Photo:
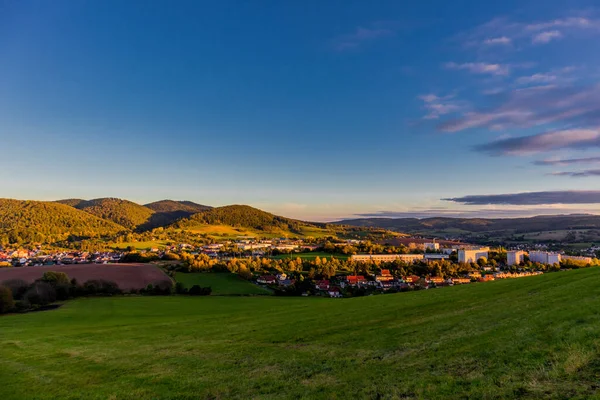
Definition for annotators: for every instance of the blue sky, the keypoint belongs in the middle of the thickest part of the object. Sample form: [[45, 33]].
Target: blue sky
[[314, 109]]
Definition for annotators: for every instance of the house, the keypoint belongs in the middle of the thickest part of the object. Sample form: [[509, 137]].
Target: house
[[354, 280], [287, 282], [486, 278], [322, 285], [436, 279], [281, 277], [460, 280], [267, 279], [412, 279], [334, 292], [385, 276]]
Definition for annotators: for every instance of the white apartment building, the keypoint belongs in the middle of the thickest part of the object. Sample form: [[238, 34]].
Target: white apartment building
[[470, 255], [515, 257], [544, 257], [432, 246]]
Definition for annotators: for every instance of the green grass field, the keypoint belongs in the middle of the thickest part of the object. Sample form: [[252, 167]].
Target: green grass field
[[221, 283], [531, 338], [311, 255]]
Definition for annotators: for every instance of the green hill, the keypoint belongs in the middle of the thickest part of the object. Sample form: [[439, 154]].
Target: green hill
[[123, 212], [170, 206], [48, 222], [528, 338], [167, 212], [246, 219], [71, 202]]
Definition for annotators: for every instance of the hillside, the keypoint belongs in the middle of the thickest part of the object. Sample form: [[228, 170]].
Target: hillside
[[246, 218], [123, 212], [48, 222], [527, 338], [499, 228], [170, 206]]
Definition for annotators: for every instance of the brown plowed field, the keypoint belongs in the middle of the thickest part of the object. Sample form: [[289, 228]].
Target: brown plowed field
[[127, 276]]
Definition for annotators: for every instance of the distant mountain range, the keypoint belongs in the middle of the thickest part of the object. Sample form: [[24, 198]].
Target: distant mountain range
[[542, 228], [74, 219]]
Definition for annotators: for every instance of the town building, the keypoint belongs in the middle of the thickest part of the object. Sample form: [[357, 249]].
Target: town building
[[432, 246], [471, 255], [387, 257], [544, 257], [515, 257]]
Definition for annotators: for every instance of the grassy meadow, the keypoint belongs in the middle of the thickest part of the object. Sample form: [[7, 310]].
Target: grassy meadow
[[223, 284], [532, 338]]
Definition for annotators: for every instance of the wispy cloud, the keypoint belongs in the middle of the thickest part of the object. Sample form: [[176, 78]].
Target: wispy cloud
[[532, 107], [546, 37], [537, 78], [532, 198], [506, 31], [480, 68], [578, 174], [543, 142], [568, 161], [438, 106], [502, 40], [361, 36], [569, 22]]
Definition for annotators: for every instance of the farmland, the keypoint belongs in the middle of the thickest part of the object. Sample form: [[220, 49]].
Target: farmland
[[220, 283], [126, 276], [529, 338]]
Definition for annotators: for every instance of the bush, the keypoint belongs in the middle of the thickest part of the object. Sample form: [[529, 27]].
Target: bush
[[18, 287], [40, 294], [55, 278], [7, 302], [199, 291], [180, 288], [63, 292], [162, 288], [100, 287]]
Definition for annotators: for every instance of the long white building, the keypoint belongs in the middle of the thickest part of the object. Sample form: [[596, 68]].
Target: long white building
[[544, 257], [387, 257], [515, 257]]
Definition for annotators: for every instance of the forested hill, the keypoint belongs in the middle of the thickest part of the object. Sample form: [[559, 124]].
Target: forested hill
[[479, 225], [244, 216], [49, 222], [170, 206], [122, 212]]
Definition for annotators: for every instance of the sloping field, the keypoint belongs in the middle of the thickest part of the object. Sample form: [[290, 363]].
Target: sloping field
[[127, 276], [529, 338]]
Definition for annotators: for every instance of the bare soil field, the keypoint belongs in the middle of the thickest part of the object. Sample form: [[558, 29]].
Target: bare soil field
[[127, 276]]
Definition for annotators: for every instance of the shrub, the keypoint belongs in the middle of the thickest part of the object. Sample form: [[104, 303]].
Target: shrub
[[55, 278], [40, 293], [63, 292], [162, 288], [245, 273], [100, 287], [7, 302], [180, 288], [18, 287]]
